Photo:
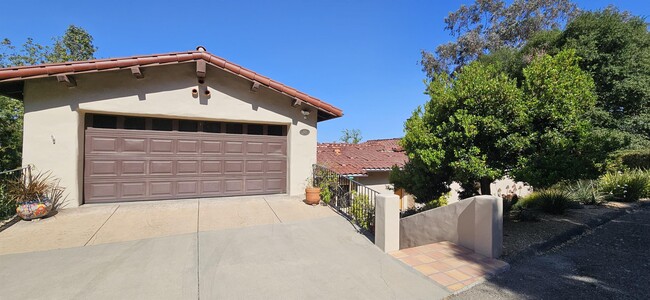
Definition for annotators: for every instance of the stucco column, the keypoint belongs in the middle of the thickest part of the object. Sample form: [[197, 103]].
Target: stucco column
[[488, 226], [387, 222]]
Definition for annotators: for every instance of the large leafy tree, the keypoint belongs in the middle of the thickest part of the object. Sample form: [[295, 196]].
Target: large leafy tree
[[479, 125], [470, 131], [559, 96], [75, 44], [615, 50], [489, 25]]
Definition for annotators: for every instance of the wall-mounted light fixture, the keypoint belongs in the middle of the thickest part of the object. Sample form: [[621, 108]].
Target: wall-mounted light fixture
[[305, 113]]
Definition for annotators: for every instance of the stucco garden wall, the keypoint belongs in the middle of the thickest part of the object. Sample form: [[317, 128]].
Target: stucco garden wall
[[54, 115]]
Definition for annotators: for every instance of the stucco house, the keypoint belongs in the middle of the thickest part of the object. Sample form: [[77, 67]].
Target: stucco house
[[368, 163], [166, 126]]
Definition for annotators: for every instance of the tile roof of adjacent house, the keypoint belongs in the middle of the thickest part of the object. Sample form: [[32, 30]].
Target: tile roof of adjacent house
[[11, 78], [358, 159]]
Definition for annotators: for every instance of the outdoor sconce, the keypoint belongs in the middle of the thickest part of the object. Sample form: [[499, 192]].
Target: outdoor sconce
[[207, 92], [305, 113], [195, 93]]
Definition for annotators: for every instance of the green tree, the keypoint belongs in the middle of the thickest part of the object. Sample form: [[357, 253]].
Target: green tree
[[559, 96], [76, 44], [351, 136], [489, 25], [468, 132], [11, 128], [615, 50]]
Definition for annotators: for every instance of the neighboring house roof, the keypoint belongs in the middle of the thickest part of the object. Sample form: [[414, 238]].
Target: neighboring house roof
[[358, 159], [12, 78]]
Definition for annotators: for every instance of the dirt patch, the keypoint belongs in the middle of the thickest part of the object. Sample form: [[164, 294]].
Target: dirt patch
[[521, 238]]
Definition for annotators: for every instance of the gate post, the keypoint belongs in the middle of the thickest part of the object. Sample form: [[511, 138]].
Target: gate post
[[387, 222]]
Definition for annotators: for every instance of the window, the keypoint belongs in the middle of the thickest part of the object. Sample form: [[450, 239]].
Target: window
[[161, 124], [255, 129], [234, 128], [186, 125], [275, 130], [134, 123], [104, 121], [214, 127]]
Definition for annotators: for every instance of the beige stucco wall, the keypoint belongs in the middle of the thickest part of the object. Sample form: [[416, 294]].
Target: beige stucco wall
[[475, 223], [378, 181], [54, 115]]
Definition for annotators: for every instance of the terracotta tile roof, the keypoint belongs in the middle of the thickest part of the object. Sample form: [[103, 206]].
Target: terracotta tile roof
[[358, 159], [21, 73]]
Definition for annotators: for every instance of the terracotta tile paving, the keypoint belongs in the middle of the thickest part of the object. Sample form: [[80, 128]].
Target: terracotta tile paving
[[450, 265]]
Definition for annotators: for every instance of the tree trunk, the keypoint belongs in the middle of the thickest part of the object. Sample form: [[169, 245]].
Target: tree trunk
[[485, 186]]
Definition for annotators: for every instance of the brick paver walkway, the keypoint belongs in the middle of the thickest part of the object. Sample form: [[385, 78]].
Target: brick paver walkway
[[450, 265]]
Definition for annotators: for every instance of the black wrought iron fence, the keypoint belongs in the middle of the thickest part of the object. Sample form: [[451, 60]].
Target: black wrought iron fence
[[353, 199]]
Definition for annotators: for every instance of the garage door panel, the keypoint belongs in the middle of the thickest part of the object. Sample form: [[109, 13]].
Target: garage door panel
[[275, 148], [233, 166], [102, 168], [102, 190], [211, 167], [234, 186], [160, 146], [211, 187], [187, 167], [131, 167], [275, 185], [211, 147], [255, 148], [134, 189], [188, 146], [255, 185], [134, 165], [134, 145], [234, 147], [254, 167], [185, 188], [161, 189], [103, 144]]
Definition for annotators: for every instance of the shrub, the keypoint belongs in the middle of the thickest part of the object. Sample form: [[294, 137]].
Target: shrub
[[629, 160], [7, 205], [583, 191], [553, 201], [627, 186], [362, 210]]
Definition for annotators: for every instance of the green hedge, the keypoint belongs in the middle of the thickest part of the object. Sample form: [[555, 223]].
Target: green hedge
[[630, 159]]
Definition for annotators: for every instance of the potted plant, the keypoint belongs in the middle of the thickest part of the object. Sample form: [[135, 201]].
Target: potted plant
[[35, 195], [312, 193]]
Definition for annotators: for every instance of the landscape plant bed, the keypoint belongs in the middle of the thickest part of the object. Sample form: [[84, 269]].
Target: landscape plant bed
[[524, 238]]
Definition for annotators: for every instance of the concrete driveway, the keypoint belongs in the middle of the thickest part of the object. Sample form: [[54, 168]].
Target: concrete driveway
[[252, 248]]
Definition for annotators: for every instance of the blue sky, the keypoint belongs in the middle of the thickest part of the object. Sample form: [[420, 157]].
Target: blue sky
[[361, 56]]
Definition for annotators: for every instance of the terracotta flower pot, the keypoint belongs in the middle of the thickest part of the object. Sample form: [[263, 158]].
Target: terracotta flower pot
[[34, 209], [312, 195]]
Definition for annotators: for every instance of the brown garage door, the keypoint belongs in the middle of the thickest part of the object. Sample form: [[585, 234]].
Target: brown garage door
[[133, 164]]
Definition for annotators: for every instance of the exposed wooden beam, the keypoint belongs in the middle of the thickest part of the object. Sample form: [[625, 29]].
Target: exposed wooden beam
[[296, 102], [255, 87], [137, 72], [67, 80], [200, 69]]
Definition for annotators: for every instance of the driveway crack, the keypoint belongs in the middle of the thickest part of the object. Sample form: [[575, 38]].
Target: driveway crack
[[276, 215], [100, 227]]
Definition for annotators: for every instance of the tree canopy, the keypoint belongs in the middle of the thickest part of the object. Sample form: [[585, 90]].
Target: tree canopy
[[75, 44], [351, 136], [479, 125], [489, 25]]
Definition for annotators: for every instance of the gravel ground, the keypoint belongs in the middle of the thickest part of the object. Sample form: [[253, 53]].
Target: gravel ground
[[611, 261], [521, 239]]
